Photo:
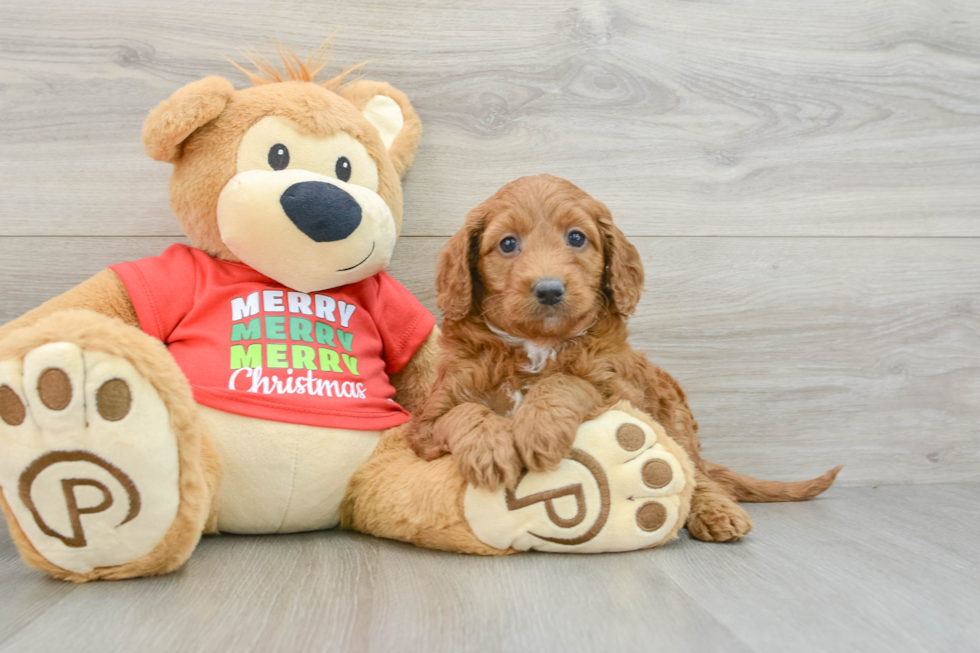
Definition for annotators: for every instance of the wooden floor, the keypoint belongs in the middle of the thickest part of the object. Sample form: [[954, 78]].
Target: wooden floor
[[894, 569], [801, 179]]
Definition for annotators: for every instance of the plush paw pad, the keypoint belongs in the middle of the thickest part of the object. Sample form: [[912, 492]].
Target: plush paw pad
[[88, 462], [619, 489]]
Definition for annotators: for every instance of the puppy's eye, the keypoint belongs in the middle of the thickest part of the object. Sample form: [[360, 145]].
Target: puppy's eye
[[575, 239], [343, 169], [278, 157], [508, 245]]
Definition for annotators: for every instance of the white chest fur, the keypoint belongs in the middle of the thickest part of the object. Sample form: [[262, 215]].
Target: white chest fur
[[538, 355]]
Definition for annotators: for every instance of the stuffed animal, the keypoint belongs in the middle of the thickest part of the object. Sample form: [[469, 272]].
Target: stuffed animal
[[260, 380]]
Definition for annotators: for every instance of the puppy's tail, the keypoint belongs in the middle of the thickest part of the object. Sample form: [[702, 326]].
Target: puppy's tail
[[753, 490]]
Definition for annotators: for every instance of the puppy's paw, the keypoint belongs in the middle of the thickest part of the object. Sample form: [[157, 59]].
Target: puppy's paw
[[718, 520], [542, 445], [486, 459]]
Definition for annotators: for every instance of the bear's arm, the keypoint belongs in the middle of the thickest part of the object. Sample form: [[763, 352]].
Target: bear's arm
[[414, 382], [104, 293]]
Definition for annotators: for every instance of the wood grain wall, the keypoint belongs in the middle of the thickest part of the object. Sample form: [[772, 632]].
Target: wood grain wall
[[801, 178]]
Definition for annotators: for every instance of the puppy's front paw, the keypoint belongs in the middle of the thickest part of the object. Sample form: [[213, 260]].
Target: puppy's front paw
[[486, 459], [542, 444]]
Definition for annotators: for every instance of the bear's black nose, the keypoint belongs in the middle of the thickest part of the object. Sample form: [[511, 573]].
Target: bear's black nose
[[322, 211]]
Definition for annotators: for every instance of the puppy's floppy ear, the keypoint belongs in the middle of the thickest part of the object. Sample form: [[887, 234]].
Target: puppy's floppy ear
[[389, 110], [457, 266], [176, 118], [623, 276]]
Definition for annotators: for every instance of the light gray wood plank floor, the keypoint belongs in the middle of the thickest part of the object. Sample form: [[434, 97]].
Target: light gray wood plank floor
[[861, 569]]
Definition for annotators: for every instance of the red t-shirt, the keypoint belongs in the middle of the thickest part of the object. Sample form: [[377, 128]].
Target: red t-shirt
[[251, 346]]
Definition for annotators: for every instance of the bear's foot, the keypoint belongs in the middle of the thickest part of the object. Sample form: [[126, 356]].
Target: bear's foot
[[91, 466], [624, 486]]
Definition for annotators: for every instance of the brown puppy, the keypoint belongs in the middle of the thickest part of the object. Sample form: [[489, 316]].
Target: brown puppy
[[535, 290]]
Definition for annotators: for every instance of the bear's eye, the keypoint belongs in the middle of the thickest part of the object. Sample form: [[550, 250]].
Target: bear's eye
[[278, 156], [343, 169], [508, 244], [575, 238]]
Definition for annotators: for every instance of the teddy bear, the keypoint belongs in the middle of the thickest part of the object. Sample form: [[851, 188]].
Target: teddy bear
[[261, 379]]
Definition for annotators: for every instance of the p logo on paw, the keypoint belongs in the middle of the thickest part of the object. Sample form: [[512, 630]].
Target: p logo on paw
[[620, 489], [90, 469]]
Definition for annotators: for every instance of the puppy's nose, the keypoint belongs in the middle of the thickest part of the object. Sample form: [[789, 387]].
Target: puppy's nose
[[322, 211], [549, 290]]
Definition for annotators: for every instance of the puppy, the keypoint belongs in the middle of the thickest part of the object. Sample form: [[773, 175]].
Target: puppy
[[535, 290]]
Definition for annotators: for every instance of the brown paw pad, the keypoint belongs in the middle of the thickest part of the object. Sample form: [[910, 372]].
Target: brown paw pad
[[657, 474], [54, 388], [11, 407], [630, 437], [651, 516], [113, 400]]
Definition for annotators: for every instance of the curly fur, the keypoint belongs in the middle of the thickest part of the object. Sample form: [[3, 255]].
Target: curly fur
[[518, 411]]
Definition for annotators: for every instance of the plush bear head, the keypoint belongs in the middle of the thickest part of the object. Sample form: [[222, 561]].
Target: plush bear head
[[299, 180]]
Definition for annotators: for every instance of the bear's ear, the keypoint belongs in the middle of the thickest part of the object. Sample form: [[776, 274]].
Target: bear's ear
[[392, 114], [177, 117]]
